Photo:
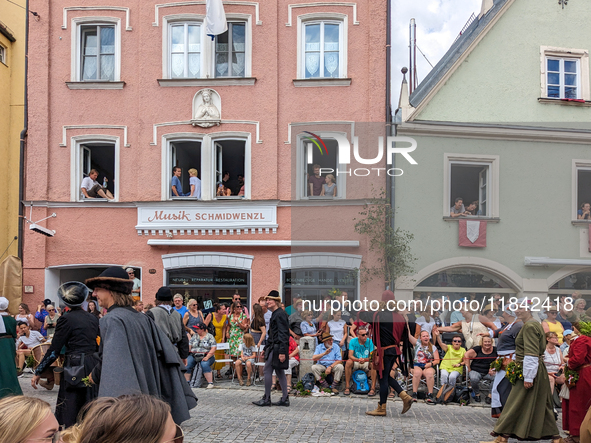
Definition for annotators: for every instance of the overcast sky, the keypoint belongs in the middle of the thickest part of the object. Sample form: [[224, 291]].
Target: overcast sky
[[438, 24]]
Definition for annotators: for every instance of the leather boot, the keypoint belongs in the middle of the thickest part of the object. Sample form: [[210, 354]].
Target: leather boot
[[380, 411], [406, 401]]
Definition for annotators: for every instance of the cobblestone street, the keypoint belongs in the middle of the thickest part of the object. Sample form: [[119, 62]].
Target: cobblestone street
[[225, 414]]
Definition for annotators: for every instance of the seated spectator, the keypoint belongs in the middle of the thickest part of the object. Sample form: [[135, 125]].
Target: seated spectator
[[562, 316], [92, 189], [247, 358], [175, 183], [194, 184], [452, 364], [138, 305], [360, 349], [425, 321], [24, 314], [471, 330], [585, 212], [315, 182], [328, 360], [129, 418], [551, 324], [202, 348], [223, 191], [26, 341], [240, 185], [329, 188], [458, 209], [338, 329], [50, 320], [308, 327], [477, 361], [553, 360], [426, 357], [27, 419], [568, 337], [294, 360]]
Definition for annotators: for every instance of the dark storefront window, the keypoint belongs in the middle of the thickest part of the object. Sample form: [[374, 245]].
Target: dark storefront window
[[315, 284], [209, 285]]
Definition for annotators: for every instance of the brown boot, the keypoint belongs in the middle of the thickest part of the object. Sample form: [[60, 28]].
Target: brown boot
[[380, 411], [406, 401]]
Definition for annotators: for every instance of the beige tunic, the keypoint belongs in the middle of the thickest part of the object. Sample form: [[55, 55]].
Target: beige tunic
[[471, 331]]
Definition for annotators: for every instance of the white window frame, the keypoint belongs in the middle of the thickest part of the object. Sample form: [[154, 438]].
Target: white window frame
[[207, 45], [302, 168], [207, 173], [76, 48], [333, 18], [578, 165], [492, 161], [3, 54], [186, 24], [581, 56], [77, 143]]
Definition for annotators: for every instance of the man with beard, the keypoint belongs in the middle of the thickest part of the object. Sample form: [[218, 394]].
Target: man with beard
[[136, 356]]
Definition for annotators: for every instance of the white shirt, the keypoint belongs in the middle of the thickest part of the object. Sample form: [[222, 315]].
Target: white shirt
[[89, 183], [35, 338], [194, 181], [426, 326], [337, 329]]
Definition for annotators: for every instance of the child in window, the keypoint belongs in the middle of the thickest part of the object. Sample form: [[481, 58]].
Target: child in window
[[194, 184], [246, 358]]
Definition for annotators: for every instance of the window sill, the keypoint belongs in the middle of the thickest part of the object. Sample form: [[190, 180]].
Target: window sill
[[102, 201], [581, 222], [228, 81], [95, 85], [230, 197], [319, 82], [185, 198], [477, 218], [564, 102]]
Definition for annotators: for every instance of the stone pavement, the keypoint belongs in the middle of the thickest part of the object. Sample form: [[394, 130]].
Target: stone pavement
[[225, 414]]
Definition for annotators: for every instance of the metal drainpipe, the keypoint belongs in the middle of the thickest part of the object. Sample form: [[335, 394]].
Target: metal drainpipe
[[21, 180], [388, 131]]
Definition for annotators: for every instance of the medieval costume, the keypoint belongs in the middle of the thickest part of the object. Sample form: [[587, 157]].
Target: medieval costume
[[388, 329], [586, 428], [579, 359], [9, 384], [528, 413], [505, 349], [170, 321], [77, 331], [136, 357], [277, 344]]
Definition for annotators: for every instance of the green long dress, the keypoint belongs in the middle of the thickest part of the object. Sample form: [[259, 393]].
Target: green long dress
[[529, 414], [9, 384]]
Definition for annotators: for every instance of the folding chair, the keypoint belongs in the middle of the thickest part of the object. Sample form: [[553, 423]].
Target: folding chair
[[234, 369], [258, 364], [224, 347]]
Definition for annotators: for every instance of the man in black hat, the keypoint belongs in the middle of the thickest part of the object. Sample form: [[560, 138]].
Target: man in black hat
[[136, 356], [276, 351], [170, 321], [76, 330]]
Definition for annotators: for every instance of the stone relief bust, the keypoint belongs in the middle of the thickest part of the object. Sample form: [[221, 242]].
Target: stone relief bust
[[206, 112]]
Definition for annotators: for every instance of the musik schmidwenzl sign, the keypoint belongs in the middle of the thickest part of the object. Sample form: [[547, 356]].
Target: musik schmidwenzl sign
[[206, 216]]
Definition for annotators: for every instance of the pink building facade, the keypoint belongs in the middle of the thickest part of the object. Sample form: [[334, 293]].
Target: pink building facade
[[132, 90]]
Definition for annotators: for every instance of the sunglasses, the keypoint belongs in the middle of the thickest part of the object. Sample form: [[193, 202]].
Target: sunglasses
[[179, 437], [50, 310], [362, 335], [456, 341]]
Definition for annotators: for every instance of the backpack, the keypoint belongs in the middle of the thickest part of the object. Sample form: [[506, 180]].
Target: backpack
[[462, 396], [308, 381], [360, 386], [446, 394]]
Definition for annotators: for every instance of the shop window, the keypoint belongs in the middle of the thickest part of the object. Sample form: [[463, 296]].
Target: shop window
[[185, 155], [102, 158], [98, 54], [230, 156], [315, 285], [583, 193], [323, 49]]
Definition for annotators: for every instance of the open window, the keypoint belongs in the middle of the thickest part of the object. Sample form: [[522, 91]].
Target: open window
[[583, 176], [187, 156], [323, 155], [229, 176], [470, 182], [230, 51], [99, 157]]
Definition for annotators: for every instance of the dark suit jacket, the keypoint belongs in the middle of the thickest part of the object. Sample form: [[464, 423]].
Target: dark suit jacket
[[278, 339]]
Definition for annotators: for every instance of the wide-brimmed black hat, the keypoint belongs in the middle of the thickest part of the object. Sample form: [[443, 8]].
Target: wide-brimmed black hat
[[273, 295], [112, 279], [47, 302], [164, 294], [73, 293]]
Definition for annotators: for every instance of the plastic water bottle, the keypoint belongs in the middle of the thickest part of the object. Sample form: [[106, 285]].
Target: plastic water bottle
[[104, 182]]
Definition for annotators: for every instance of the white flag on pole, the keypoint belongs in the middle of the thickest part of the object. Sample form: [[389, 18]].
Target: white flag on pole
[[215, 18]]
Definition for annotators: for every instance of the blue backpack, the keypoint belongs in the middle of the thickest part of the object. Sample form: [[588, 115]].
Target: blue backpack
[[360, 385], [308, 381]]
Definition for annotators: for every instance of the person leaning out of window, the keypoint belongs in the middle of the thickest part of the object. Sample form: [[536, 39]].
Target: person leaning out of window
[[585, 212]]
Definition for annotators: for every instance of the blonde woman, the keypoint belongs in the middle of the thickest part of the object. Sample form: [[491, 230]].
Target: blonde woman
[[27, 420], [50, 320], [194, 316], [329, 189], [194, 184], [129, 418]]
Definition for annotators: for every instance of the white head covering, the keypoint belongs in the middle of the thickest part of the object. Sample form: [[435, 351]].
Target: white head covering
[[4, 303]]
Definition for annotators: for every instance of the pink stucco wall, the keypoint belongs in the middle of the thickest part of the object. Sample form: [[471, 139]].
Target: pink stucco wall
[[107, 235]]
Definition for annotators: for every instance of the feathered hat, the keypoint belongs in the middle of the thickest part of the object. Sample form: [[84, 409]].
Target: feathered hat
[[73, 293]]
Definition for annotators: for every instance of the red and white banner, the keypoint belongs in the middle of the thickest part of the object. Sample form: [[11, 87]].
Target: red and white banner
[[472, 233]]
